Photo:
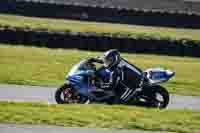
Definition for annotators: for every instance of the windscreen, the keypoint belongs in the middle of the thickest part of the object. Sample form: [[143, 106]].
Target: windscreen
[[78, 67]]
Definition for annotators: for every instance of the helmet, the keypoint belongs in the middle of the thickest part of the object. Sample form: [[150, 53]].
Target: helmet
[[111, 58]]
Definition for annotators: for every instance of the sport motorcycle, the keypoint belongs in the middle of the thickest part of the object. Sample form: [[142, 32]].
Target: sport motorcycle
[[149, 94]]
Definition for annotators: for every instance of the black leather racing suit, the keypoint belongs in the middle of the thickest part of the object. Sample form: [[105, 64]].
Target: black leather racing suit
[[113, 80], [123, 73], [111, 84]]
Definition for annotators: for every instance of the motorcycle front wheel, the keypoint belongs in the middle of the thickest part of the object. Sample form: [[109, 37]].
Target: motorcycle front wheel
[[66, 94]]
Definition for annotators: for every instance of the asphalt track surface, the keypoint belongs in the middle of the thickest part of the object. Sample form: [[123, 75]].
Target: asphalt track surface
[[46, 94], [13, 128]]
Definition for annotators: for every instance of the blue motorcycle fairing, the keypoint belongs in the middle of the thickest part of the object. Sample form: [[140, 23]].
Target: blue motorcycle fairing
[[78, 74], [77, 79], [78, 83]]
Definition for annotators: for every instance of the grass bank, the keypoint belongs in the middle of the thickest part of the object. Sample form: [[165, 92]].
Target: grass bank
[[102, 28], [43, 66], [101, 116]]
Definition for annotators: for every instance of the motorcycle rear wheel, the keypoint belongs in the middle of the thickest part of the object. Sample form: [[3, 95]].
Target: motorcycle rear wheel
[[152, 96], [160, 97]]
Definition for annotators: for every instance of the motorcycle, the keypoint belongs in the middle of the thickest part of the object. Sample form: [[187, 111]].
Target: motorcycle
[[150, 93]]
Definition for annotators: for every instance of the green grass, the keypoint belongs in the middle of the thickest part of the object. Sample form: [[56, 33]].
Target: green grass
[[101, 116], [43, 66], [78, 26]]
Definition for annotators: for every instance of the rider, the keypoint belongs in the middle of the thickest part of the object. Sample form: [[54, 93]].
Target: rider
[[111, 59], [121, 72]]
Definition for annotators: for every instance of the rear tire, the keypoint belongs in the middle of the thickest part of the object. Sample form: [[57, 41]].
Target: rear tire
[[159, 90]]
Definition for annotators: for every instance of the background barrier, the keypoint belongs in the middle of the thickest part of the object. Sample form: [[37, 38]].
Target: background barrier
[[93, 41], [53, 9]]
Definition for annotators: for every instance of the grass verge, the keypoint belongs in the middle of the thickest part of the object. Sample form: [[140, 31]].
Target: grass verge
[[43, 66], [102, 28], [101, 116]]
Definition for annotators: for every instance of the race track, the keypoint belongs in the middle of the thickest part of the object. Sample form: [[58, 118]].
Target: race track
[[12, 128], [46, 94]]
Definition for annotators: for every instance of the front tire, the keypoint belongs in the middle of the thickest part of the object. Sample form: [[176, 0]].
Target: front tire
[[66, 94]]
